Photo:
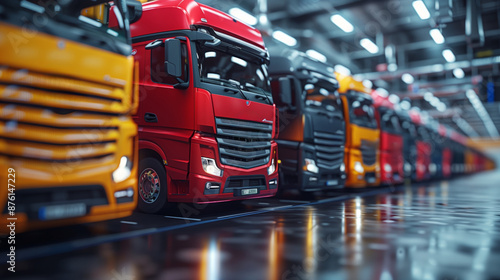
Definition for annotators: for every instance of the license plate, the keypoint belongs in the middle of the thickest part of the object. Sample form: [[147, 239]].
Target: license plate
[[249, 191], [62, 211], [332, 182], [371, 180]]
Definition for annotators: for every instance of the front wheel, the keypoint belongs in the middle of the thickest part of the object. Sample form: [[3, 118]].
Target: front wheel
[[152, 186]]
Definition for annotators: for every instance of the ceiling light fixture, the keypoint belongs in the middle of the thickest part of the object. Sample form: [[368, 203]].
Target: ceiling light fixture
[[436, 36], [316, 55], [284, 38], [243, 16], [368, 45], [421, 9], [448, 55], [342, 23]]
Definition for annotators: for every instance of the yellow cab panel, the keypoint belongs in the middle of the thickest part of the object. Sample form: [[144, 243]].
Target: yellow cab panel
[[362, 133], [67, 139]]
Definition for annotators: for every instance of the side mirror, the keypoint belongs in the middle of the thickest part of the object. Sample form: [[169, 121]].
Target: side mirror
[[134, 10], [173, 61], [285, 91]]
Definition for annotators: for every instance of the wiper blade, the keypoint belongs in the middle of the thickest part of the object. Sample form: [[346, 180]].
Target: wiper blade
[[250, 86], [226, 83]]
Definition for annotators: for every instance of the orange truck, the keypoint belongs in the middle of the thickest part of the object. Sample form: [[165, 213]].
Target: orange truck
[[362, 133], [68, 144]]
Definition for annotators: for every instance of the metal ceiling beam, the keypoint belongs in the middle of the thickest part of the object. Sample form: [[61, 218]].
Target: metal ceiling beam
[[363, 54], [482, 113], [431, 69], [465, 127]]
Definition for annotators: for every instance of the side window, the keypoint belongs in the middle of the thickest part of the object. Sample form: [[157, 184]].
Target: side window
[[158, 73], [275, 88]]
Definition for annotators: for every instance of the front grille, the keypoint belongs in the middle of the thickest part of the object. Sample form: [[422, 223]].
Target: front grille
[[243, 144], [58, 119], [329, 149], [368, 152], [30, 200], [235, 183]]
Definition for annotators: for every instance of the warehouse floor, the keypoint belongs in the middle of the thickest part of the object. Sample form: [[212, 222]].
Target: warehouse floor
[[440, 230]]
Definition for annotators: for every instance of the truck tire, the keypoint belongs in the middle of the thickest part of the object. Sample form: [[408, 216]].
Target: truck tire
[[152, 186]]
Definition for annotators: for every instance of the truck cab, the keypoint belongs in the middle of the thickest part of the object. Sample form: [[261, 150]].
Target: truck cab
[[362, 133], [67, 138], [436, 140], [409, 144], [311, 122], [391, 139], [447, 151], [423, 145], [206, 115]]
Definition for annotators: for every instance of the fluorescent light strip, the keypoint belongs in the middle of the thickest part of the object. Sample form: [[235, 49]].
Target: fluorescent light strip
[[368, 45], [284, 38], [342, 23], [436, 36], [448, 55], [465, 126], [243, 16], [458, 73], [483, 114], [316, 55], [407, 78], [421, 9]]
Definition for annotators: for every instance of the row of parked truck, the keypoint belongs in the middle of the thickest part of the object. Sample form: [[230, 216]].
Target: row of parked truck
[[111, 105]]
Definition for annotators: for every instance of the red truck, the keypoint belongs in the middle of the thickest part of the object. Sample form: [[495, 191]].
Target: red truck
[[447, 152], [391, 139], [206, 115], [424, 147]]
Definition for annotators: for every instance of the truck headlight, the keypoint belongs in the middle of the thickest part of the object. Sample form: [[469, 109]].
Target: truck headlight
[[432, 168], [407, 167], [387, 168], [342, 167], [358, 167], [310, 165], [123, 171], [210, 166], [271, 168]]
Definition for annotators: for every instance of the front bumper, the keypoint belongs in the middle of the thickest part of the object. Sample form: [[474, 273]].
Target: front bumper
[[234, 184], [296, 176], [87, 186], [370, 175]]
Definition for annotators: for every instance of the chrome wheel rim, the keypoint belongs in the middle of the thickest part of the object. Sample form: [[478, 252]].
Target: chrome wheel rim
[[149, 185]]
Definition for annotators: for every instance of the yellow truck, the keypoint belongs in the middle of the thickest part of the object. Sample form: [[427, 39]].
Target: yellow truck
[[362, 134], [68, 145]]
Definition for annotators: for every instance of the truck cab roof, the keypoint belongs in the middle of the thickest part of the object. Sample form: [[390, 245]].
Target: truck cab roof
[[169, 15]]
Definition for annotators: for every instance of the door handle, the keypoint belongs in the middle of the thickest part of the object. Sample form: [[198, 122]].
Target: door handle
[[150, 117]]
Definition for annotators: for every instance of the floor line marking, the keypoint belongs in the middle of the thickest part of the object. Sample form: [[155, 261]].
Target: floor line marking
[[128, 222], [276, 208], [244, 213], [183, 218], [294, 201]]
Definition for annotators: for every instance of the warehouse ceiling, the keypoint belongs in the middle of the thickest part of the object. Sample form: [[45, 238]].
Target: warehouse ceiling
[[470, 28]]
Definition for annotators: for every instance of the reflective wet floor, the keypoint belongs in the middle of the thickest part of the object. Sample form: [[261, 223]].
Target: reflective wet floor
[[440, 230]]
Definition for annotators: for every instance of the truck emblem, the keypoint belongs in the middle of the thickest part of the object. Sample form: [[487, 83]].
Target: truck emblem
[[134, 51], [248, 103]]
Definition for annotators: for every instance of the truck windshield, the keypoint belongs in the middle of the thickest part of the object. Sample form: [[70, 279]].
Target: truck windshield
[[389, 122], [408, 128], [361, 111], [100, 23], [322, 94], [232, 69]]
